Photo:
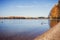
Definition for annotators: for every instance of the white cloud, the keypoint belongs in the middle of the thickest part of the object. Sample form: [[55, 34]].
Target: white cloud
[[25, 6]]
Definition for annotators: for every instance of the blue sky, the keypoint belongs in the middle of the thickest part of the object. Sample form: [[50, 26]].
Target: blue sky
[[34, 8]]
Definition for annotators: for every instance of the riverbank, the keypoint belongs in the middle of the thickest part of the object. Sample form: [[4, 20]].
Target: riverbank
[[52, 34]]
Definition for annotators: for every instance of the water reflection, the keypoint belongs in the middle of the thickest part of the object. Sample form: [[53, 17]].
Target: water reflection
[[54, 22]]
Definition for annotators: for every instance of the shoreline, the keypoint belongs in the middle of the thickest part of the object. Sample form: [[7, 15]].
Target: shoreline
[[52, 34]]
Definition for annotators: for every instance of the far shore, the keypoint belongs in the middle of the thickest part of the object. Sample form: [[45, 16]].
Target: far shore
[[24, 17]]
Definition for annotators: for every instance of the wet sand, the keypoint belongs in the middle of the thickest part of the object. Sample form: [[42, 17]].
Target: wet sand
[[52, 34]]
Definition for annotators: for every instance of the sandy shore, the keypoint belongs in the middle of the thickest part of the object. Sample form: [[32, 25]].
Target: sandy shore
[[52, 34]]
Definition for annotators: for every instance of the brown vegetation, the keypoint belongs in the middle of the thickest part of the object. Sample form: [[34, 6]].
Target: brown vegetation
[[55, 15]]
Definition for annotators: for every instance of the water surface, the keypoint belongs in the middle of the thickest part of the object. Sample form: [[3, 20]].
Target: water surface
[[22, 29]]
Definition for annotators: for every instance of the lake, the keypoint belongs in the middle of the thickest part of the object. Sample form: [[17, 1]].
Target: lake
[[22, 29]]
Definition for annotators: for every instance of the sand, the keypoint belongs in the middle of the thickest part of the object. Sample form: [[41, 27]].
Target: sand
[[52, 34]]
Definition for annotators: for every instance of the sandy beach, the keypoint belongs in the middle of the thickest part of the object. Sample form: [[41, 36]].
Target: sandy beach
[[52, 34]]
